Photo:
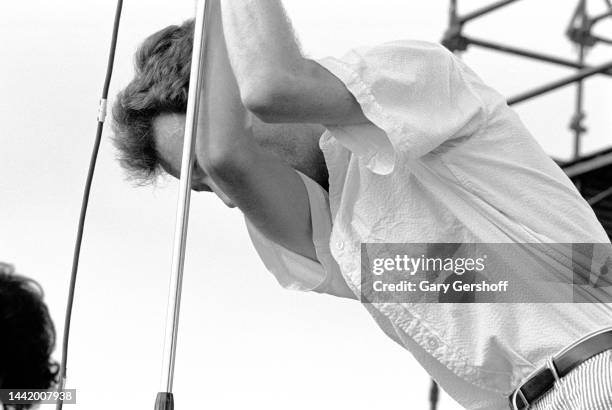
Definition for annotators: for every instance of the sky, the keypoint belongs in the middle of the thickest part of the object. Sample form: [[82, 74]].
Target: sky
[[243, 340]]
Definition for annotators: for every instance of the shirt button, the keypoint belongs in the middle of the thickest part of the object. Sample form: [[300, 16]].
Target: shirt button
[[433, 343], [340, 245]]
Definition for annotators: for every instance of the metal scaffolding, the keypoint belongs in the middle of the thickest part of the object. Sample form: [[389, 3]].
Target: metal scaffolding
[[579, 31]]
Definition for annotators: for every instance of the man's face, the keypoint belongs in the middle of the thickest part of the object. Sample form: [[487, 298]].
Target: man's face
[[295, 144], [168, 130]]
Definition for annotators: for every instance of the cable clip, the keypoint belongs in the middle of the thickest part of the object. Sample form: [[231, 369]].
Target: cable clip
[[102, 110]]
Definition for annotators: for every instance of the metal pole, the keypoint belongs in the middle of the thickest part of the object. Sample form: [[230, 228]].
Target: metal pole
[[601, 39], [581, 75], [600, 17], [165, 399], [453, 40], [485, 10], [452, 13], [600, 197], [576, 123]]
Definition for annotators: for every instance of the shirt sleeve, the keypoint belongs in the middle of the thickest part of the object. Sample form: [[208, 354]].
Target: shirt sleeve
[[294, 271], [416, 94]]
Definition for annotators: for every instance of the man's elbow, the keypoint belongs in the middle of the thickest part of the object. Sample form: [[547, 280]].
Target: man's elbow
[[269, 96], [226, 163]]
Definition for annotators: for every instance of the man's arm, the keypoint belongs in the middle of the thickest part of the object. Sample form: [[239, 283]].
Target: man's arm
[[269, 192], [276, 81]]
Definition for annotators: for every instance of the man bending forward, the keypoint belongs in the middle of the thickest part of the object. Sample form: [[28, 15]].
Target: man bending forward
[[400, 143]]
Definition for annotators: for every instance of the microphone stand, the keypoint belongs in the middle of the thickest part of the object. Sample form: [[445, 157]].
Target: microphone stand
[[165, 398]]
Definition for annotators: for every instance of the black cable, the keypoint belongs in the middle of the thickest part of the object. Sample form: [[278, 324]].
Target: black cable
[[85, 200]]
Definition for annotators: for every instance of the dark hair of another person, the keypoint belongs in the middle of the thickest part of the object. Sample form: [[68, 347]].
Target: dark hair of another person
[[27, 335], [160, 85]]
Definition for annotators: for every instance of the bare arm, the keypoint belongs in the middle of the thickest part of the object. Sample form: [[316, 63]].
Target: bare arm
[[276, 81], [269, 192]]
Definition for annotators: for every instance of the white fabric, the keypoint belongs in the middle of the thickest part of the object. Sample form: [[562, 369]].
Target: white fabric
[[294, 271], [447, 161]]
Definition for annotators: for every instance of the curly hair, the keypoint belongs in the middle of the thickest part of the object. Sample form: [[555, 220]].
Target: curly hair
[[160, 85], [27, 335]]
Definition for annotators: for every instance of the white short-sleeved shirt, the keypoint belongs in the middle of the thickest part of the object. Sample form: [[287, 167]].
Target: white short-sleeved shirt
[[446, 161]]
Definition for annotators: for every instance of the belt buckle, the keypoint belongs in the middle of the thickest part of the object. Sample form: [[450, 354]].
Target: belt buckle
[[549, 364], [519, 393]]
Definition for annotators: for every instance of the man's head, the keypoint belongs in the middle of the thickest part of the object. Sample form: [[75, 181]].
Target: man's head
[[27, 335], [160, 86], [149, 117]]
